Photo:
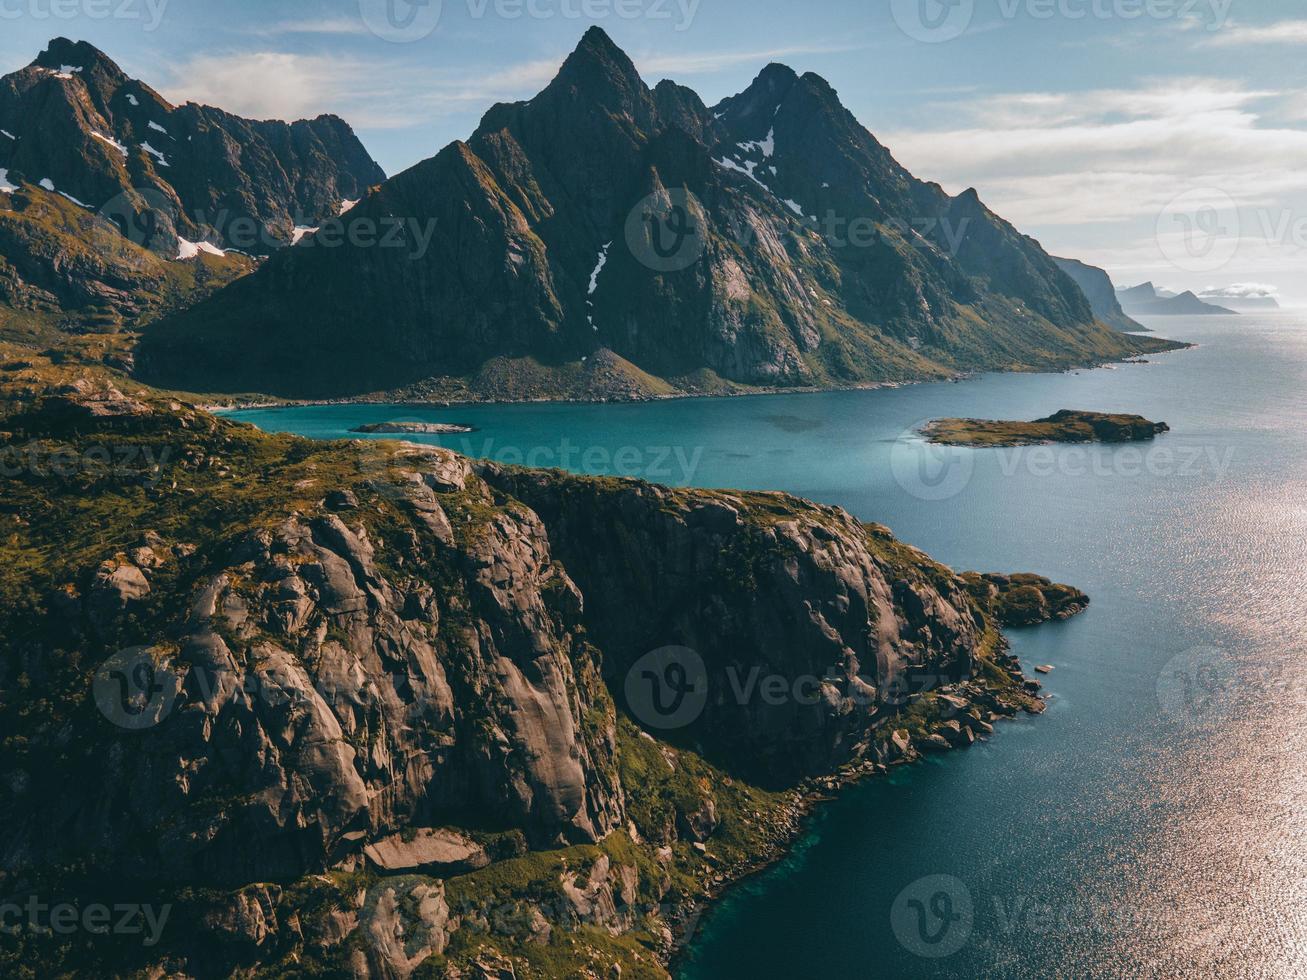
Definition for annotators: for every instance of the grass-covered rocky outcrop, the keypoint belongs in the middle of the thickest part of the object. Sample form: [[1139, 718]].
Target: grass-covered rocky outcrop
[[359, 708], [1068, 425]]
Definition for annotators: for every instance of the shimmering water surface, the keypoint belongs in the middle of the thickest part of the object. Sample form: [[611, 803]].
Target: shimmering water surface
[[1153, 823]]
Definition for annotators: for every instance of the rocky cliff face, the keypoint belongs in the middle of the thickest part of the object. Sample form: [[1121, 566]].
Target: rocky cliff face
[[73, 124], [768, 241], [1098, 289], [369, 706]]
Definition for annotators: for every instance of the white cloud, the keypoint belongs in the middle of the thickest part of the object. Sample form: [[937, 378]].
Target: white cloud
[[329, 26], [1243, 290], [1094, 174], [365, 92], [658, 66], [1045, 158], [1283, 32]]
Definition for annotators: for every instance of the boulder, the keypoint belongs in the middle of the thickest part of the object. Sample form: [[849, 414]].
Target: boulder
[[435, 851]]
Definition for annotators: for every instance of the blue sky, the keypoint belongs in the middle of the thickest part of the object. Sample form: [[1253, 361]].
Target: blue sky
[[1161, 139]]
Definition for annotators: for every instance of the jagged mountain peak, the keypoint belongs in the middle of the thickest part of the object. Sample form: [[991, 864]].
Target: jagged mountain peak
[[756, 107], [549, 254], [83, 56], [80, 137], [598, 63]]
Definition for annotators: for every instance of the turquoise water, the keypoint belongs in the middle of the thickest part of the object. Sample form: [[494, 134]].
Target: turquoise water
[[1153, 823]]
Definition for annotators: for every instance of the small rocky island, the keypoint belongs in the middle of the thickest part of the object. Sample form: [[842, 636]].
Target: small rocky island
[[1065, 426], [415, 428]]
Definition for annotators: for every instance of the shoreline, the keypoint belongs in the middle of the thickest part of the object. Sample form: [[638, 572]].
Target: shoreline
[[806, 799], [379, 398]]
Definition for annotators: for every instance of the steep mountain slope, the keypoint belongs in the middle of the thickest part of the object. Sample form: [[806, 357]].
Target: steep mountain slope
[[346, 709], [72, 124], [65, 267], [603, 236], [1098, 289]]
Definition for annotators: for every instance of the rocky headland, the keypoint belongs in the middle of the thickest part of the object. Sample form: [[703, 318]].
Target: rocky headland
[[366, 708]]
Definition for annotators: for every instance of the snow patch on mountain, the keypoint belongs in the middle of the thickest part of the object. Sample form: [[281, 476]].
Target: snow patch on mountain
[[767, 145], [163, 161], [121, 148], [189, 250], [746, 169], [594, 282]]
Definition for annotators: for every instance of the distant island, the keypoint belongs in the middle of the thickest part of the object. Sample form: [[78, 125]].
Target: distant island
[[1242, 299], [1146, 300], [1065, 426], [415, 428]]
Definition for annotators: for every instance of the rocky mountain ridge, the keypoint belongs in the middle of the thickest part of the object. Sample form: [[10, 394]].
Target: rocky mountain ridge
[[180, 182], [1146, 300], [609, 239]]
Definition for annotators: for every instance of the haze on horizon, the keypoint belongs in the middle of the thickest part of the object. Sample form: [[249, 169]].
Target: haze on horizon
[[1163, 142]]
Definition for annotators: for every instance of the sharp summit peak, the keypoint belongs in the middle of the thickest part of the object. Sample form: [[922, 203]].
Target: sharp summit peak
[[80, 54]]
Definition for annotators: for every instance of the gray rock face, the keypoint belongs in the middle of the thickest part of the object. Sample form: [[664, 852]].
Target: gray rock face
[[1098, 289], [434, 649], [434, 851], [759, 585]]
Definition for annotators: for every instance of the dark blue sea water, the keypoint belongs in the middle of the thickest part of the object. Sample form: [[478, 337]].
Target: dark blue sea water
[[1153, 823]]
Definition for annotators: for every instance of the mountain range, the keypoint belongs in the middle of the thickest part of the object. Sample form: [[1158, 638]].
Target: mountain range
[[1146, 300], [109, 186], [606, 239]]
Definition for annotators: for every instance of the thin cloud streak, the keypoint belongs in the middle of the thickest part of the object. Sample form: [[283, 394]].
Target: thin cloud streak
[[708, 62], [1283, 32], [366, 93], [335, 27]]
